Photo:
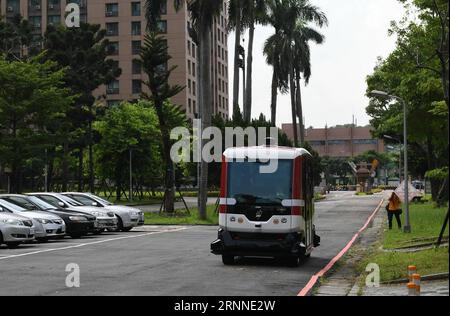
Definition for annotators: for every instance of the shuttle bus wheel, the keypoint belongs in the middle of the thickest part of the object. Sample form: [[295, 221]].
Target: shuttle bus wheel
[[228, 260]]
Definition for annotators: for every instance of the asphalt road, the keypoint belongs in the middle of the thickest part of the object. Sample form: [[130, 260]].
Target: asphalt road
[[174, 260]]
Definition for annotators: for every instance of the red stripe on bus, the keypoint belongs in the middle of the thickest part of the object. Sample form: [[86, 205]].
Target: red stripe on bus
[[296, 186], [223, 184]]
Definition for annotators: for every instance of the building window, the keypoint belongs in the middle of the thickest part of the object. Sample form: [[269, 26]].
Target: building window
[[112, 9], [164, 8], [135, 28], [112, 29], [194, 69], [135, 8], [193, 50], [137, 86], [162, 26], [34, 5], [189, 106], [35, 22], [113, 103], [189, 86], [54, 19], [13, 7], [113, 87], [365, 142], [337, 142], [136, 67], [54, 5], [194, 88], [113, 48], [136, 47]]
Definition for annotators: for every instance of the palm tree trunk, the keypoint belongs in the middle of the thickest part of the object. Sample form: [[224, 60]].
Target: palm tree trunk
[[300, 111], [236, 108], [205, 101], [248, 92], [293, 106], [273, 106]]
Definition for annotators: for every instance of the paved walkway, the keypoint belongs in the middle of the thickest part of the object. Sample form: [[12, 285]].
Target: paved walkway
[[432, 288]]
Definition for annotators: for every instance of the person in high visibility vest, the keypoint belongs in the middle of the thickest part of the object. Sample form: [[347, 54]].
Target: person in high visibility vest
[[394, 209]]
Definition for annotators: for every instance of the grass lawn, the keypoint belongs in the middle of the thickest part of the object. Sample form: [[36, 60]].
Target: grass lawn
[[393, 266], [181, 219], [426, 222]]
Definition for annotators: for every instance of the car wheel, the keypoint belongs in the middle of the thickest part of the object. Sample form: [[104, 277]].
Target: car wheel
[[1, 239], [13, 245], [125, 230], [42, 240], [228, 260], [119, 224]]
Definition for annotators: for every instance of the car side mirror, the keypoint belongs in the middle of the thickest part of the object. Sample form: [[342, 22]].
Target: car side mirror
[[61, 204], [95, 204], [1, 209]]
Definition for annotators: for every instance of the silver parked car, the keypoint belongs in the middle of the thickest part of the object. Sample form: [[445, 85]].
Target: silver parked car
[[105, 219], [128, 217], [14, 229], [46, 225]]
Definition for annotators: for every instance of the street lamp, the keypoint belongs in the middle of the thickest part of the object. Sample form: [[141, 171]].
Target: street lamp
[[385, 95], [400, 156]]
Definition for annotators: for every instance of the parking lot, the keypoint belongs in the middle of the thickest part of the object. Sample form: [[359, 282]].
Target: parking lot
[[164, 260]]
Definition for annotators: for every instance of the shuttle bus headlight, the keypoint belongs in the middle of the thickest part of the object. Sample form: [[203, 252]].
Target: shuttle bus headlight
[[284, 220], [233, 219], [276, 221], [241, 220]]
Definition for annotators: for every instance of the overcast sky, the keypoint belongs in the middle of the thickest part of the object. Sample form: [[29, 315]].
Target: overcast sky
[[357, 34]]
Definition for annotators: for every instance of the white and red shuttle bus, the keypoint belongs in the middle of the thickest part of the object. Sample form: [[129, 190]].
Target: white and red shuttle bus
[[266, 214]]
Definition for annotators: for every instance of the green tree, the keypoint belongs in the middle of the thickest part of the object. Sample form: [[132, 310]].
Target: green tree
[[84, 51], [33, 101], [202, 14], [16, 35], [420, 86], [127, 127], [154, 60]]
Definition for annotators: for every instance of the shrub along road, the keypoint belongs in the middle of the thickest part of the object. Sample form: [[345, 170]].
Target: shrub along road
[[175, 261]]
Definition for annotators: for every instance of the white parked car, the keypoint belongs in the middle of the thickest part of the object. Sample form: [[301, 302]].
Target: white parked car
[[128, 217], [46, 225], [14, 229], [105, 219]]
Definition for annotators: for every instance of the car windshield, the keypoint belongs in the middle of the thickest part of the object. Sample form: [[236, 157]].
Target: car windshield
[[11, 207], [84, 199], [69, 200], [99, 199], [41, 204], [248, 185], [22, 202]]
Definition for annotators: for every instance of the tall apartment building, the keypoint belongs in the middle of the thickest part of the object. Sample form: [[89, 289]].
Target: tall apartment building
[[125, 24]]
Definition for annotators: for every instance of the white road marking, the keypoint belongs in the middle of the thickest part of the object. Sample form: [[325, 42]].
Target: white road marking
[[93, 243]]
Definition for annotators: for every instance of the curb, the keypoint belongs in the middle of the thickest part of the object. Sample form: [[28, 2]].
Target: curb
[[316, 277]]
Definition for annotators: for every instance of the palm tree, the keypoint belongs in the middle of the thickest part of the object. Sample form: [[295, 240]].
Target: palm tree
[[202, 13], [235, 23], [285, 48], [302, 66]]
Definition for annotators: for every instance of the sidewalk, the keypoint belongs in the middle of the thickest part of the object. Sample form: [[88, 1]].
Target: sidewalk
[[432, 288]]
